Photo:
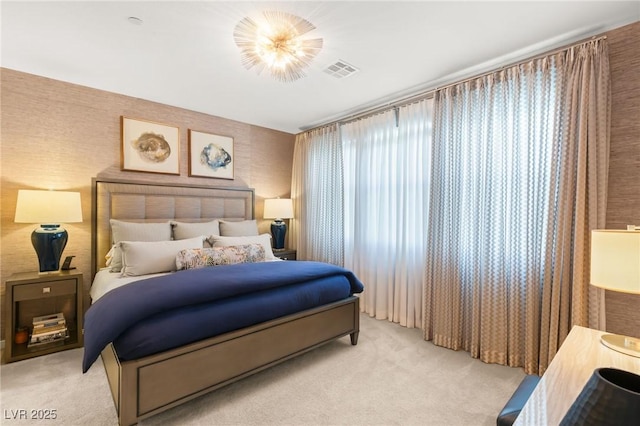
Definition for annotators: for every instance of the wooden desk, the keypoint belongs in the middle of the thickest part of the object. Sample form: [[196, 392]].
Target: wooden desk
[[580, 354]]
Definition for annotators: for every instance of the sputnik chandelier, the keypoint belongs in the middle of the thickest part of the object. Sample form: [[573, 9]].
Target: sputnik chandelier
[[277, 45]]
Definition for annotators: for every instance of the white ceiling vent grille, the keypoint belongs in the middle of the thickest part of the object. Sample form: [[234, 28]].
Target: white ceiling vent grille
[[341, 69]]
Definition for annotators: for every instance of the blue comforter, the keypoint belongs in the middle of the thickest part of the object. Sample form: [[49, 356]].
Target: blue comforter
[[110, 318]]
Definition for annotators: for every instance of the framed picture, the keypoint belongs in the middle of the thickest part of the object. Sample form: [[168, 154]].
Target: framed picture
[[150, 147], [210, 155]]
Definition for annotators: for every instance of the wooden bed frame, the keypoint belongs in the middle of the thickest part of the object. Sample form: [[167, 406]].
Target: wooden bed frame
[[144, 387]]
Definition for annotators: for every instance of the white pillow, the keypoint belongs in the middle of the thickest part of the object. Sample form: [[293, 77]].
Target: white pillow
[[134, 231], [151, 257], [264, 239], [243, 228], [184, 230]]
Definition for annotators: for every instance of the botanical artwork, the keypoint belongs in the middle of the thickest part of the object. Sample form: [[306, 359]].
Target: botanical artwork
[[210, 155], [150, 147]]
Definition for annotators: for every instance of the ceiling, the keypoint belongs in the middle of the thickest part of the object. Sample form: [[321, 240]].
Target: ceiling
[[183, 54]]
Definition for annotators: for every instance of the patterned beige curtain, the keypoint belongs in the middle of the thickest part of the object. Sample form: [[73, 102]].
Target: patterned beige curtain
[[518, 180], [317, 191]]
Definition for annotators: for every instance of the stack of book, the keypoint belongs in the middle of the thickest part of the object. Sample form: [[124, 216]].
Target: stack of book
[[48, 329]]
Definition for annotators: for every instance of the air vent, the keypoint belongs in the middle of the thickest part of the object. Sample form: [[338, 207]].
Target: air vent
[[341, 69]]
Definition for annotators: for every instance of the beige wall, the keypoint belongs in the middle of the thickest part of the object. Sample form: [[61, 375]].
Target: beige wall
[[57, 135], [623, 203]]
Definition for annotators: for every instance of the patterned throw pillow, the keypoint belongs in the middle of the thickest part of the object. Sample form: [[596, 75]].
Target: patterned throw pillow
[[204, 257]]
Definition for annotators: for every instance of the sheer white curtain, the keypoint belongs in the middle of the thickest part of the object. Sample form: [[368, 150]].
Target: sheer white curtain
[[317, 228], [386, 187], [518, 180]]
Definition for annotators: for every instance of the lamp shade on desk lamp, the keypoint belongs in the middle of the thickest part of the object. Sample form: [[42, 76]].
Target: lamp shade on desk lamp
[[615, 266], [278, 209], [49, 209]]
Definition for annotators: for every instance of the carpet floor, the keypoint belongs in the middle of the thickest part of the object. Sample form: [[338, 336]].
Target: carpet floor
[[392, 377]]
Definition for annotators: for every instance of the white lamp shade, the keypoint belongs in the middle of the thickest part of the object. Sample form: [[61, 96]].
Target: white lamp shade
[[615, 260], [48, 207], [278, 208]]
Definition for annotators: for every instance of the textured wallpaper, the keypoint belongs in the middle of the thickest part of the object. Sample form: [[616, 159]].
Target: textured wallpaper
[[57, 135]]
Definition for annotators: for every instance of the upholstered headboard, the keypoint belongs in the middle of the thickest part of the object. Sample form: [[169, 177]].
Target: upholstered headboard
[[144, 202]]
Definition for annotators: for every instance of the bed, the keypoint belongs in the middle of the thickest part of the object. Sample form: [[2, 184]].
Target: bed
[[147, 384]]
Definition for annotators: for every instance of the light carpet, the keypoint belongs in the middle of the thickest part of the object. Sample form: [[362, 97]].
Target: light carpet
[[392, 377]]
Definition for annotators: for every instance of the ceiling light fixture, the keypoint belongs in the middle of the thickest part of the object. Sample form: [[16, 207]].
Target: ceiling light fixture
[[277, 45]]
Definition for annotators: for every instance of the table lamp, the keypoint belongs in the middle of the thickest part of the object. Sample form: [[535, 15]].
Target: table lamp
[[50, 209], [278, 209], [615, 266]]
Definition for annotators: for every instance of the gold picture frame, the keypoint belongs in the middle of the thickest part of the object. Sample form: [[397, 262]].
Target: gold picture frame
[[150, 147], [211, 155]]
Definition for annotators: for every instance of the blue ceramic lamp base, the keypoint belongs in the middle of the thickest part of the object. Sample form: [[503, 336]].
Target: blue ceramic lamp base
[[49, 242], [278, 232]]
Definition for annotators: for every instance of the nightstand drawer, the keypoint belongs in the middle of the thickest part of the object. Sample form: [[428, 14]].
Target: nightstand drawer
[[40, 290]]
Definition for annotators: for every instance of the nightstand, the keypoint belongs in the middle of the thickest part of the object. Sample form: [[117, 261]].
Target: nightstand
[[286, 254], [31, 294]]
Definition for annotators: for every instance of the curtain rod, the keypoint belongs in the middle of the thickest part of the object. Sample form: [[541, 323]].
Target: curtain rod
[[428, 93]]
